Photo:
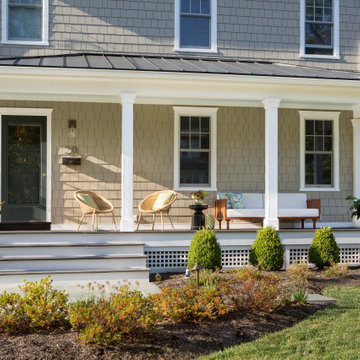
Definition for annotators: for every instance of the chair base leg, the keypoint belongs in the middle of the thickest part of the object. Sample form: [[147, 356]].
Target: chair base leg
[[170, 221], [80, 222], [138, 223], [153, 224], [113, 217], [162, 221]]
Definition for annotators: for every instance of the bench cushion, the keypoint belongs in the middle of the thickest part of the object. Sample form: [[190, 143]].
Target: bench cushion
[[253, 201], [225, 196], [246, 213], [292, 201], [298, 213]]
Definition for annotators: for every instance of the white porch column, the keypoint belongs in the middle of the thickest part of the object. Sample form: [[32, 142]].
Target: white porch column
[[356, 157], [127, 161], [271, 106]]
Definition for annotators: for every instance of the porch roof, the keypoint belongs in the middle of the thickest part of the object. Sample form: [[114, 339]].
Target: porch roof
[[177, 64]]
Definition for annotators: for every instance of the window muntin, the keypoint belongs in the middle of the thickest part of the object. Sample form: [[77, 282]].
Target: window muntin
[[25, 20], [195, 157], [319, 27], [318, 153], [195, 24]]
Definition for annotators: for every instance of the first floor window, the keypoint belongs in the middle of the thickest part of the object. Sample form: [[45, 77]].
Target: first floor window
[[320, 27], [319, 155], [195, 147], [25, 21]]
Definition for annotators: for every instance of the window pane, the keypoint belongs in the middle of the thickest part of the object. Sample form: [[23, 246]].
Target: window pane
[[309, 2], [26, 2], [205, 7], [195, 32], [184, 123], [318, 169], [194, 168], [195, 142], [309, 143], [318, 51], [205, 141], [328, 3], [309, 127], [319, 14], [328, 14], [319, 3], [195, 124], [328, 143], [25, 23], [195, 6], [319, 127], [319, 145], [327, 127], [310, 13], [185, 6], [318, 34], [205, 124], [185, 142]]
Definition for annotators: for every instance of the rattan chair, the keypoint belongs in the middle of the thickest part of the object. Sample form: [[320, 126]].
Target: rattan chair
[[146, 207], [104, 207]]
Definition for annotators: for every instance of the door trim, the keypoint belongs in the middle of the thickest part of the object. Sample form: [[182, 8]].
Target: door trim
[[35, 112]]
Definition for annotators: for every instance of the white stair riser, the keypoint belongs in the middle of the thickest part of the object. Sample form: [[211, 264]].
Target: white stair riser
[[72, 264], [71, 251], [74, 278]]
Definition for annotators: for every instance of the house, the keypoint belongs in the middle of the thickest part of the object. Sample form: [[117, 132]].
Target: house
[[253, 96]]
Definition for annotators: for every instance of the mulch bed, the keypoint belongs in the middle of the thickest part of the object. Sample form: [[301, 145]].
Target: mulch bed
[[180, 341]]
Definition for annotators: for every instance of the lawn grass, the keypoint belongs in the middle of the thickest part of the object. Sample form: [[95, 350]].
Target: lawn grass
[[333, 333]]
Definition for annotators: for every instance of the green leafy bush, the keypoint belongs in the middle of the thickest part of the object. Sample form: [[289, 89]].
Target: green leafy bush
[[125, 314], [189, 303], [39, 307], [267, 252], [336, 271], [300, 275], [324, 250], [205, 250]]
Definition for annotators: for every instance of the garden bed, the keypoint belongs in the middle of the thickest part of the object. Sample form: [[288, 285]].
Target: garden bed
[[173, 341]]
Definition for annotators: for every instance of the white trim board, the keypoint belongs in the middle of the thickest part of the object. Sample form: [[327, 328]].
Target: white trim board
[[335, 34], [195, 111], [35, 112], [213, 30], [320, 115], [45, 26]]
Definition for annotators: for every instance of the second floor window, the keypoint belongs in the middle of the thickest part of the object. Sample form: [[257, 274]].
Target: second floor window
[[25, 21], [195, 25], [320, 27]]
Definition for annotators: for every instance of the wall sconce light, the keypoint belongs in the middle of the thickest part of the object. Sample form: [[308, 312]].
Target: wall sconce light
[[72, 127]]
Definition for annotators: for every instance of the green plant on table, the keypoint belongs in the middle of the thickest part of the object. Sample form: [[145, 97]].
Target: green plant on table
[[355, 207]]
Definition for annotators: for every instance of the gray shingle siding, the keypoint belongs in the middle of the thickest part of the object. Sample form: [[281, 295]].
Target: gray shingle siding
[[247, 29]]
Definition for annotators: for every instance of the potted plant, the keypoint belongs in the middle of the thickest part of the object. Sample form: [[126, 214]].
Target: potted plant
[[355, 207], [199, 196]]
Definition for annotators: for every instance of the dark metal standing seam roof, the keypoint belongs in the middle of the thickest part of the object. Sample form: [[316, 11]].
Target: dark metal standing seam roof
[[177, 64]]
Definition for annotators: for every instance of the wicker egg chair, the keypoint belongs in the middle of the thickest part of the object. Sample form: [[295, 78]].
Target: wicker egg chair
[[104, 207], [146, 207]]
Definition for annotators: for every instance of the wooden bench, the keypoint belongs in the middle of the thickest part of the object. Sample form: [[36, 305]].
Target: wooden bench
[[291, 206]]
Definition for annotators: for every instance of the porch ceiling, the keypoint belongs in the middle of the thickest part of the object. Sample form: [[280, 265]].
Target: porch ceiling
[[175, 80]]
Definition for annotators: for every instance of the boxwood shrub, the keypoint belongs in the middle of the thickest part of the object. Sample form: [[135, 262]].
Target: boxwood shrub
[[324, 250], [267, 252], [205, 250]]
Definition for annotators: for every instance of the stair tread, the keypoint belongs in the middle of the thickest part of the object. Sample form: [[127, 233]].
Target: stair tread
[[74, 271], [76, 257], [64, 244]]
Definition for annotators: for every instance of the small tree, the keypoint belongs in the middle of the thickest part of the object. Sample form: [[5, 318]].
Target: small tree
[[267, 252], [205, 250], [324, 250]]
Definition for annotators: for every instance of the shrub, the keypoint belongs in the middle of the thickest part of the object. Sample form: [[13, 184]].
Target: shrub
[[39, 308], [336, 271], [324, 250], [299, 274], [207, 278], [267, 252], [254, 291], [189, 303], [300, 298], [124, 314], [205, 250]]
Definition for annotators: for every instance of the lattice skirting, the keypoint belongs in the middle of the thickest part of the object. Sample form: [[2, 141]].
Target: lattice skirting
[[348, 254], [175, 260]]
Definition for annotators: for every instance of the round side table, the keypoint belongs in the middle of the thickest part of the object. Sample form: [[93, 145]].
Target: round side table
[[198, 218]]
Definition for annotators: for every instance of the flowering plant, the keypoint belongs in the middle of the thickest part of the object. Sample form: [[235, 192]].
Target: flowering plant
[[199, 195]]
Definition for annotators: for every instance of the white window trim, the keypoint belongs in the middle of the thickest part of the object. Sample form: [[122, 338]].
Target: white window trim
[[213, 32], [195, 111], [336, 33], [320, 115], [35, 112], [45, 26]]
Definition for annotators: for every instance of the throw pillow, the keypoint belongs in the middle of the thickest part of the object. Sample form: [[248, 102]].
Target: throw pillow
[[162, 200], [226, 196], [88, 200], [237, 200]]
